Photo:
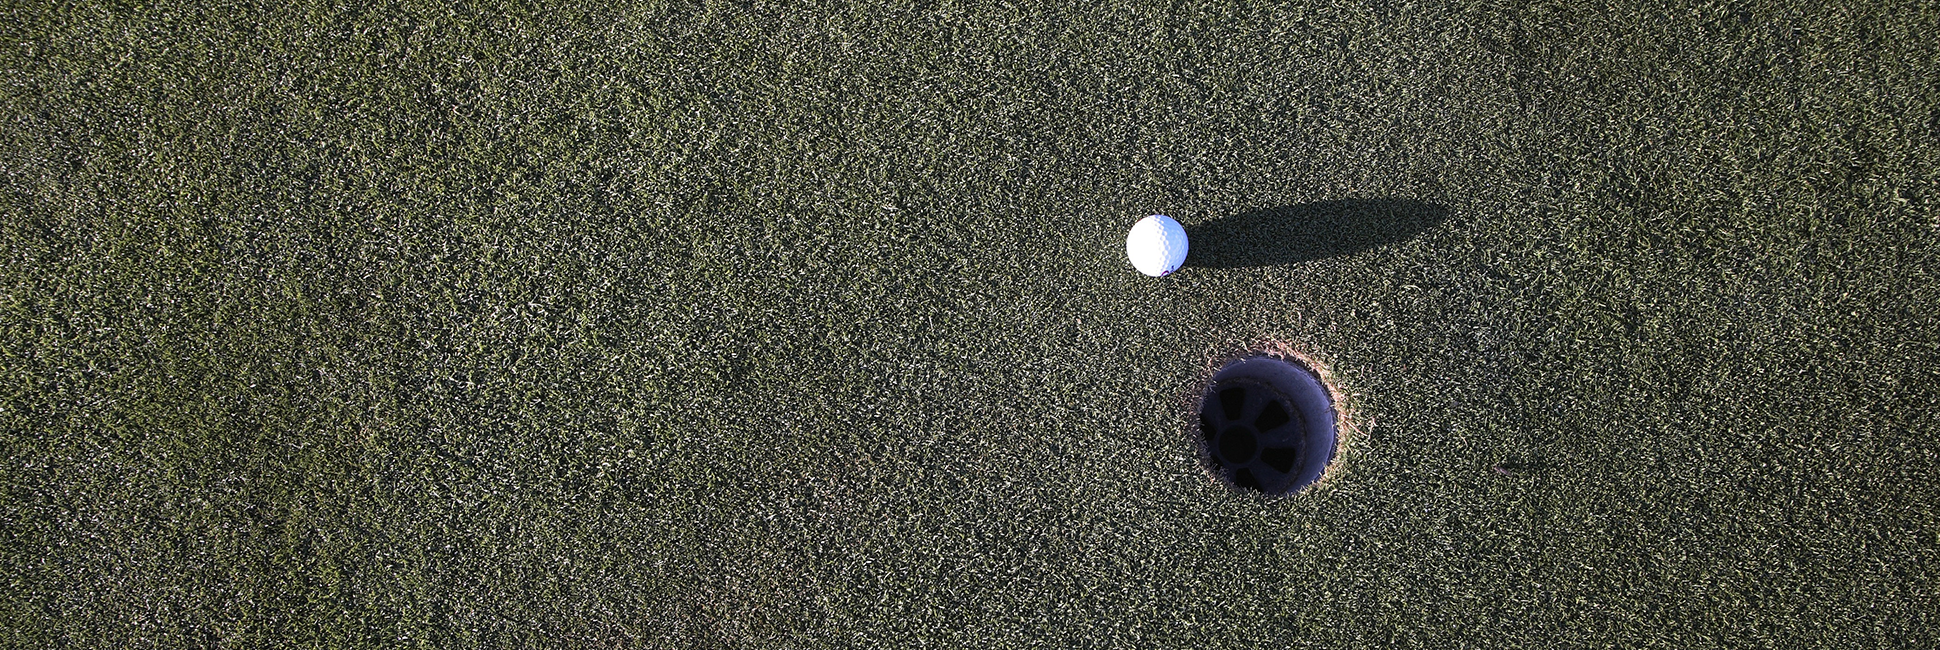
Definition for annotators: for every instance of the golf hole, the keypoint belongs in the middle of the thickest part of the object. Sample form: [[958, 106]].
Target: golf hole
[[1267, 425]]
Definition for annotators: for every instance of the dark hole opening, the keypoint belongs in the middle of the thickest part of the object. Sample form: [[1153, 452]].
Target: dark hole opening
[[1271, 417], [1279, 458], [1237, 444], [1262, 420], [1232, 401]]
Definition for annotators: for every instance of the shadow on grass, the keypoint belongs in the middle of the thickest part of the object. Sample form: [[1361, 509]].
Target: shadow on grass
[[1308, 231]]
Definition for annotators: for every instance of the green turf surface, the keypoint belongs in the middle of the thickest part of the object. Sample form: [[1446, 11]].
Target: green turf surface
[[733, 326]]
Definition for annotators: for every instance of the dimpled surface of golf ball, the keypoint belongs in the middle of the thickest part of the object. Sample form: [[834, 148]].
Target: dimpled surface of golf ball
[[1156, 245]]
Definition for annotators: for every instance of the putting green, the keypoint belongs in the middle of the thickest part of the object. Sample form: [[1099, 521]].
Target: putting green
[[722, 325]]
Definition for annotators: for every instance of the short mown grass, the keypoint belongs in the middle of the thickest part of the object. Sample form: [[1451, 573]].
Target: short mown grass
[[727, 325]]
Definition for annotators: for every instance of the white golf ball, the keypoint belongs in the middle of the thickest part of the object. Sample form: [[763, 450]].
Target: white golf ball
[[1157, 245]]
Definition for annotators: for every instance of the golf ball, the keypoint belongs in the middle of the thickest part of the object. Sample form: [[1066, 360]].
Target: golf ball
[[1156, 245]]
